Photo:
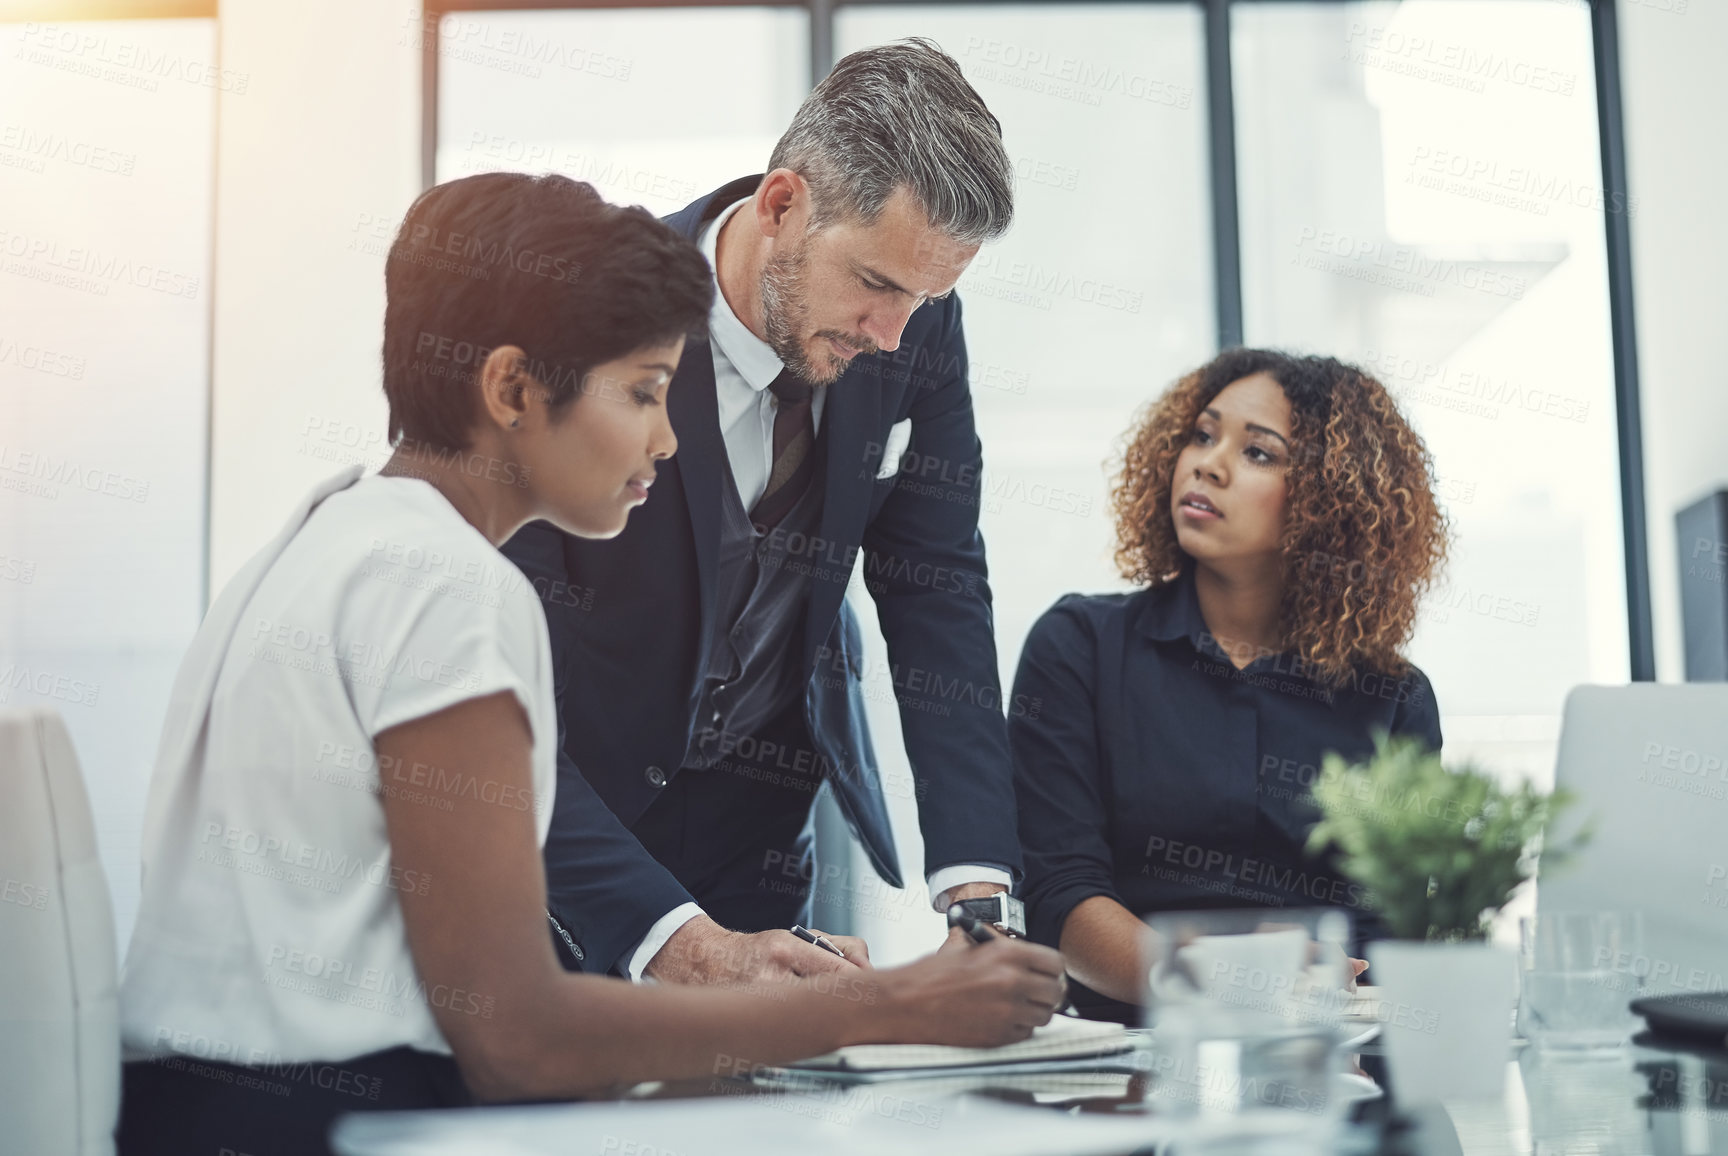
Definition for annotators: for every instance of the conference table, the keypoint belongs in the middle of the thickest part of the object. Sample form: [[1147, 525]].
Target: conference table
[[1654, 1098]]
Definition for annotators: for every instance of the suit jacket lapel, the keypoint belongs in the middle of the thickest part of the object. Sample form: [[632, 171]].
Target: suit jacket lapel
[[690, 219], [693, 405]]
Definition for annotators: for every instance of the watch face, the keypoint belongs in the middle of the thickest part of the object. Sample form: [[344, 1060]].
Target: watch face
[[1001, 909]]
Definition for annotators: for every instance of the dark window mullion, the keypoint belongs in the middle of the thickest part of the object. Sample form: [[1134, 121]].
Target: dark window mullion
[[821, 40], [1221, 142], [1605, 43], [431, 14]]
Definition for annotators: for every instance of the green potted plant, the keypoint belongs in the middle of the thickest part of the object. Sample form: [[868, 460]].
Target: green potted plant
[[1439, 850]]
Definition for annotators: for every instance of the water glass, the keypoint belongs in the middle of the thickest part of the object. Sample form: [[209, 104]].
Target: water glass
[[1244, 1008], [1578, 971]]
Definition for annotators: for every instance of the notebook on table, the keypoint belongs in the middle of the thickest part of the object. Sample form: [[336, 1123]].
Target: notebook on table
[[1038, 1081], [1063, 1038]]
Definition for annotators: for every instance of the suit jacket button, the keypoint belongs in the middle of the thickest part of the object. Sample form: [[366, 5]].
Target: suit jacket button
[[655, 776]]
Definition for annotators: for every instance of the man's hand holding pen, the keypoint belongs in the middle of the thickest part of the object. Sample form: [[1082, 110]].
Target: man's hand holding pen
[[818, 939], [703, 952]]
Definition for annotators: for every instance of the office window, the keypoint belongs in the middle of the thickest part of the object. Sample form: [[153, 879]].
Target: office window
[[106, 161], [651, 106], [1096, 300], [1421, 192]]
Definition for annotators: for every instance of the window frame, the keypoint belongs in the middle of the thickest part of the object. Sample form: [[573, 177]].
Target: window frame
[[1226, 228]]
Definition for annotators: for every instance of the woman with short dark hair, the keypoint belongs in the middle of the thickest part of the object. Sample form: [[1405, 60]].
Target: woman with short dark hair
[[1279, 515], [344, 905]]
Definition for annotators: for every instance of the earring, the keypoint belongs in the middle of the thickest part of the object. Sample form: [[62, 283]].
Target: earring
[[514, 422]]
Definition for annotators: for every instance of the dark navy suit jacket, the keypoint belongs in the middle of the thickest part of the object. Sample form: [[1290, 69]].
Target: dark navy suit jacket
[[630, 622]]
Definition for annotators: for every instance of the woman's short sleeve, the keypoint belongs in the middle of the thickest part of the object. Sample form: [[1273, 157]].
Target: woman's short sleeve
[[428, 649]]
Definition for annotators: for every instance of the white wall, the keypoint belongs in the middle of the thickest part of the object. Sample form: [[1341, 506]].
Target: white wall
[[106, 145], [321, 150], [1675, 99]]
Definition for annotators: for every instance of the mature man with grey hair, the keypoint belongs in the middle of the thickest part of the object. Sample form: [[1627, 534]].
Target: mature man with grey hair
[[708, 669]]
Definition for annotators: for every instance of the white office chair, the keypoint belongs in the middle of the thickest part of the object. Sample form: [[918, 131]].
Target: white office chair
[[59, 1022]]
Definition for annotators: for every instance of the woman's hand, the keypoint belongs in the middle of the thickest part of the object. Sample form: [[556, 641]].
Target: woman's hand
[[1357, 967], [982, 995]]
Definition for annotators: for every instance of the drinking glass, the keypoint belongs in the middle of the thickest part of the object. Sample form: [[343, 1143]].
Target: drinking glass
[[1578, 971], [1245, 1009]]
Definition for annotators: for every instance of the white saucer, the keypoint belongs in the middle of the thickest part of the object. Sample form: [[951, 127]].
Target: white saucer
[[1367, 1033]]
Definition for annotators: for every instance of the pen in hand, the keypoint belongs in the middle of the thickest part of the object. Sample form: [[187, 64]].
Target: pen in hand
[[821, 941], [978, 931]]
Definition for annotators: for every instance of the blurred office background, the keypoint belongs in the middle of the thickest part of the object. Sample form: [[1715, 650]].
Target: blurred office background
[[195, 206]]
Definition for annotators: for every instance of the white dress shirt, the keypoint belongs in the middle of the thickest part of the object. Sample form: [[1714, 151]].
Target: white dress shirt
[[269, 929], [744, 367]]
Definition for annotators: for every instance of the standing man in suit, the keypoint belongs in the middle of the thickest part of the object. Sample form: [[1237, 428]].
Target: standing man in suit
[[707, 668]]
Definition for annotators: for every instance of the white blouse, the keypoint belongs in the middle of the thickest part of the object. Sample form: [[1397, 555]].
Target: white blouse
[[269, 928]]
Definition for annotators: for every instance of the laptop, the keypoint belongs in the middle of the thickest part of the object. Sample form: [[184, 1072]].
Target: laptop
[[1648, 764]]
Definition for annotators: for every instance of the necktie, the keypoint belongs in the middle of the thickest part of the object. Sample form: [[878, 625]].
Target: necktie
[[794, 451]]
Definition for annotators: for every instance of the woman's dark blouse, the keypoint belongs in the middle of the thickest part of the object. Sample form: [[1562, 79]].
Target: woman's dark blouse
[[1149, 769]]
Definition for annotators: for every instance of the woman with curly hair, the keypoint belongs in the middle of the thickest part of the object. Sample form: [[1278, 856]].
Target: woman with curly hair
[[1279, 515]]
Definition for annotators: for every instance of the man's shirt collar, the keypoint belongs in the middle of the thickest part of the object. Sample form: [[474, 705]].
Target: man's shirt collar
[[755, 361]]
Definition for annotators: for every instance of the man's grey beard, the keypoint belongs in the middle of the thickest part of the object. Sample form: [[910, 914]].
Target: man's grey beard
[[786, 313]]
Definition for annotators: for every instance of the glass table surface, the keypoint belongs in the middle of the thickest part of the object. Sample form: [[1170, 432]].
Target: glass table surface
[[1650, 1098]]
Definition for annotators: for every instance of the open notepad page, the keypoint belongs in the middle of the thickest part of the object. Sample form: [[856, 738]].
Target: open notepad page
[[1364, 1006], [1063, 1038]]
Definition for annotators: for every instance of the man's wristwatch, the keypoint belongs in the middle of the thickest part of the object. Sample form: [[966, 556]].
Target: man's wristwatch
[[1001, 910]]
